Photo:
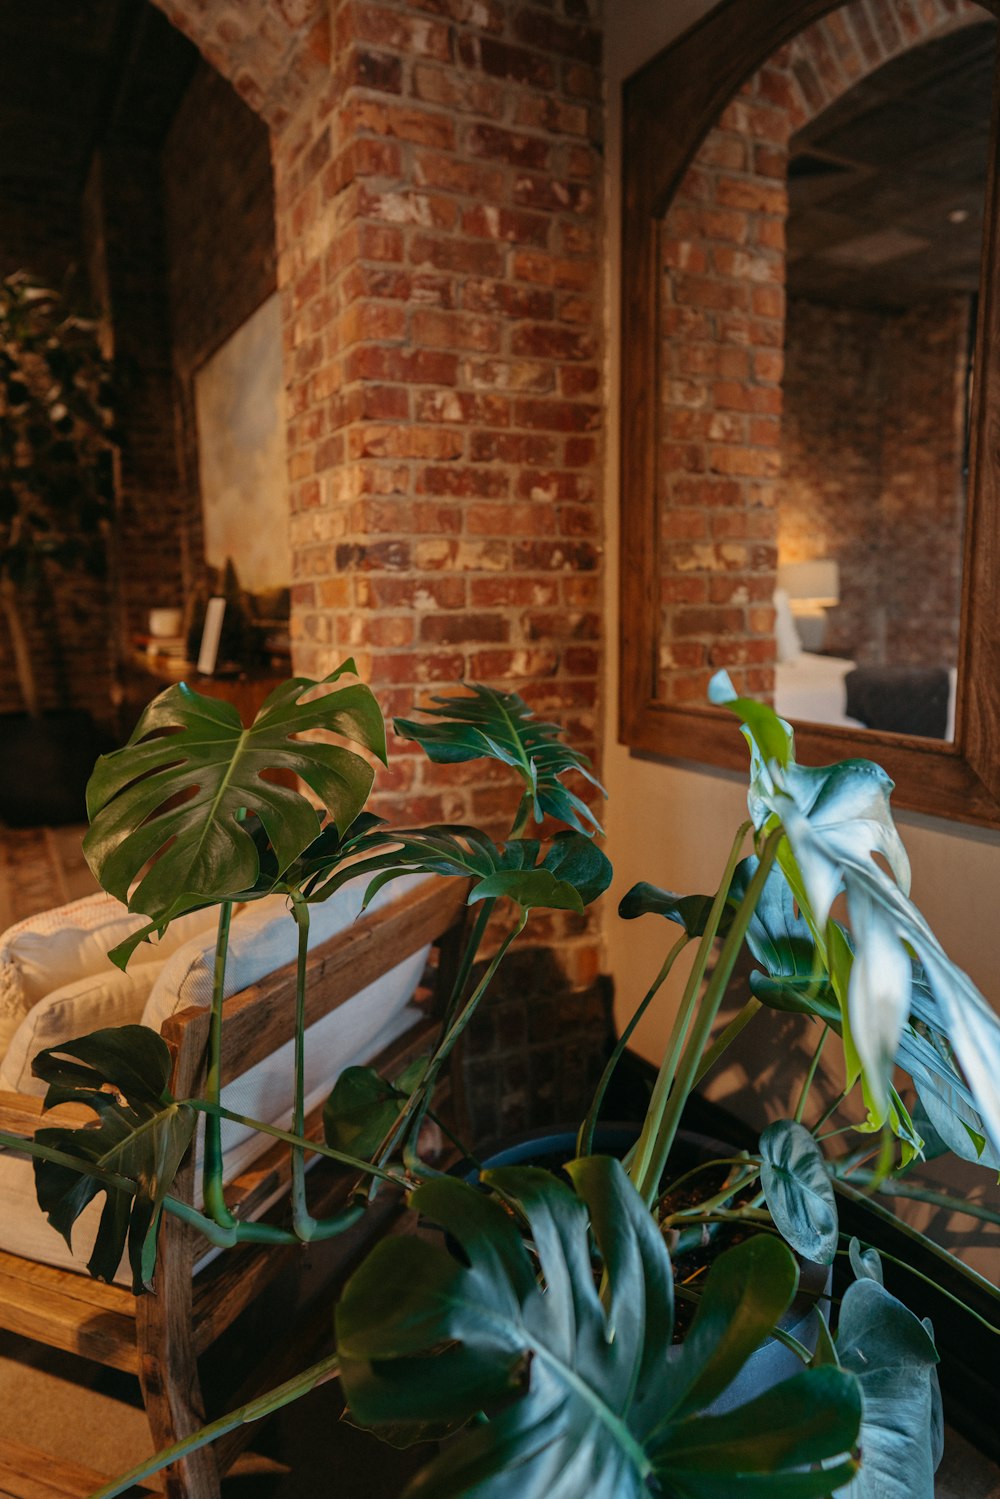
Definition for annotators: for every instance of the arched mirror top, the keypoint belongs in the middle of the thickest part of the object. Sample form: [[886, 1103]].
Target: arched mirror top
[[810, 385]]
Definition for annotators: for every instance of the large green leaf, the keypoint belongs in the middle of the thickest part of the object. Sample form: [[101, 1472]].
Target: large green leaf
[[837, 820], [798, 1190], [892, 1354], [570, 874], [180, 789], [689, 911], [576, 1391], [500, 725], [141, 1134], [363, 1107]]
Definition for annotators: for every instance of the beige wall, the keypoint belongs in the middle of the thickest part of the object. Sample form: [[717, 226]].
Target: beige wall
[[671, 823]]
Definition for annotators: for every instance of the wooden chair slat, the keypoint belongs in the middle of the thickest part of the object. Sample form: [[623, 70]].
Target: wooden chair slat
[[62, 1321], [26, 1473], [21, 1114], [159, 1337], [262, 1018]]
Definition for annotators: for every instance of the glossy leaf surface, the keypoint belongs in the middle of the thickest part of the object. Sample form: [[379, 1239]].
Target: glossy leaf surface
[[141, 1134], [181, 785], [363, 1107], [892, 1354], [798, 1190], [500, 725], [579, 1399], [837, 820], [688, 911], [570, 874]]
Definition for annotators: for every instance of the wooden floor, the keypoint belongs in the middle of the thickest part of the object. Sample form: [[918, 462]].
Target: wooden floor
[[39, 868]]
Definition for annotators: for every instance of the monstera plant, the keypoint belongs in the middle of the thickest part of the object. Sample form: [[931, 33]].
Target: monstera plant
[[547, 1337]]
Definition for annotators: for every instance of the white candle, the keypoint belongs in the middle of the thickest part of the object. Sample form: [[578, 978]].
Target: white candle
[[210, 636]]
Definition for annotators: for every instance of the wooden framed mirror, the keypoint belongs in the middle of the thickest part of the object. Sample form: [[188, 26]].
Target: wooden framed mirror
[[845, 155]]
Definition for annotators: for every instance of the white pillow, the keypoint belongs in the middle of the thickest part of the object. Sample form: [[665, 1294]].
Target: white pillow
[[91, 1003], [59, 946], [786, 634]]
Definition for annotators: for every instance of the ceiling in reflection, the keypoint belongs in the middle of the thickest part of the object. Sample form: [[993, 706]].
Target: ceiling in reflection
[[886, 197]]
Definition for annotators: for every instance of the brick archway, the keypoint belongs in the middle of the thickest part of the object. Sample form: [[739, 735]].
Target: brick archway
[[272, 51], [851, 43], [723, 325]]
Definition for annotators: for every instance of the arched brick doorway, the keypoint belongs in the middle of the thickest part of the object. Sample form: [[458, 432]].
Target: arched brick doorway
[[723, 255]]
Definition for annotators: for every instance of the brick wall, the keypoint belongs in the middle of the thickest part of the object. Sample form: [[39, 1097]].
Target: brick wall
[[128, 260], [438, 180], [439, 240], [873, 447], [723, 330], [723, 307]]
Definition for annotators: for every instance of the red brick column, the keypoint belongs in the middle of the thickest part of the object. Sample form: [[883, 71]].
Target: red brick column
[[438, 186], [438, 225]]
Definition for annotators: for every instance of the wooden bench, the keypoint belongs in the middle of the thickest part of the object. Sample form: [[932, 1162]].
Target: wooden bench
[[160, 1337]]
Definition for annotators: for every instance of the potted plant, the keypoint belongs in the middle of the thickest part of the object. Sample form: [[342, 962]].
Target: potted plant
[[537, 1335], [57, 495]]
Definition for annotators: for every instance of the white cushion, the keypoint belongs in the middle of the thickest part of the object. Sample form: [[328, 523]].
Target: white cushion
[[92, 1003], [264, 937], [25, 1231], [786, 633], [59, 946]]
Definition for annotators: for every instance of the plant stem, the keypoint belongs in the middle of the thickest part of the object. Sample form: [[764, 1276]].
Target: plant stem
[[664, 1129], [585, 1137], [638, 1168], [254, 1410], [302, 1221], [829, 1111], [212, 1190], [468, 958], [711, 1203], [317, 1147], [811, 1075], [726, 1038], [896, 1188], [218, 1234], [415, 1102], [936, 1250]]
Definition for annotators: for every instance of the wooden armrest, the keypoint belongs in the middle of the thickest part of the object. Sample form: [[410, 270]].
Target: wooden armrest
[[21, 1114]]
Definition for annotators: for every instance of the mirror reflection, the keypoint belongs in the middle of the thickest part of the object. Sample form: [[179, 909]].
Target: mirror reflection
[[818, 309]]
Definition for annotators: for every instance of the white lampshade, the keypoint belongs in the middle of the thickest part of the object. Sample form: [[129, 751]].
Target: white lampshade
[[816, 582]]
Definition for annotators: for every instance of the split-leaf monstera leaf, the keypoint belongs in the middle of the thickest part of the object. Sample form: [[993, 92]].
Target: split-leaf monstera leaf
[[837, 822], [500, 726], [582, 1397], [183, 784], [570, 874], [136, 1146]]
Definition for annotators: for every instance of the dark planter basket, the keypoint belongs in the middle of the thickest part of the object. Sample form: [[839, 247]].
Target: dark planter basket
[[45, 764], [772, 1362]]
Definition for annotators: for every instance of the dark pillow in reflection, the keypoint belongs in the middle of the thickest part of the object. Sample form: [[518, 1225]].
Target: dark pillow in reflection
[[900, 699]]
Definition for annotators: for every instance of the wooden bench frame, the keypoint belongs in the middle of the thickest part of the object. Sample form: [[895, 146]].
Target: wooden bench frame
[[160, 1337]]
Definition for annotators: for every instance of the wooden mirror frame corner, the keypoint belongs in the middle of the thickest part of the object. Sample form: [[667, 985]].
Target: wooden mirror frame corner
[[669, 106]]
